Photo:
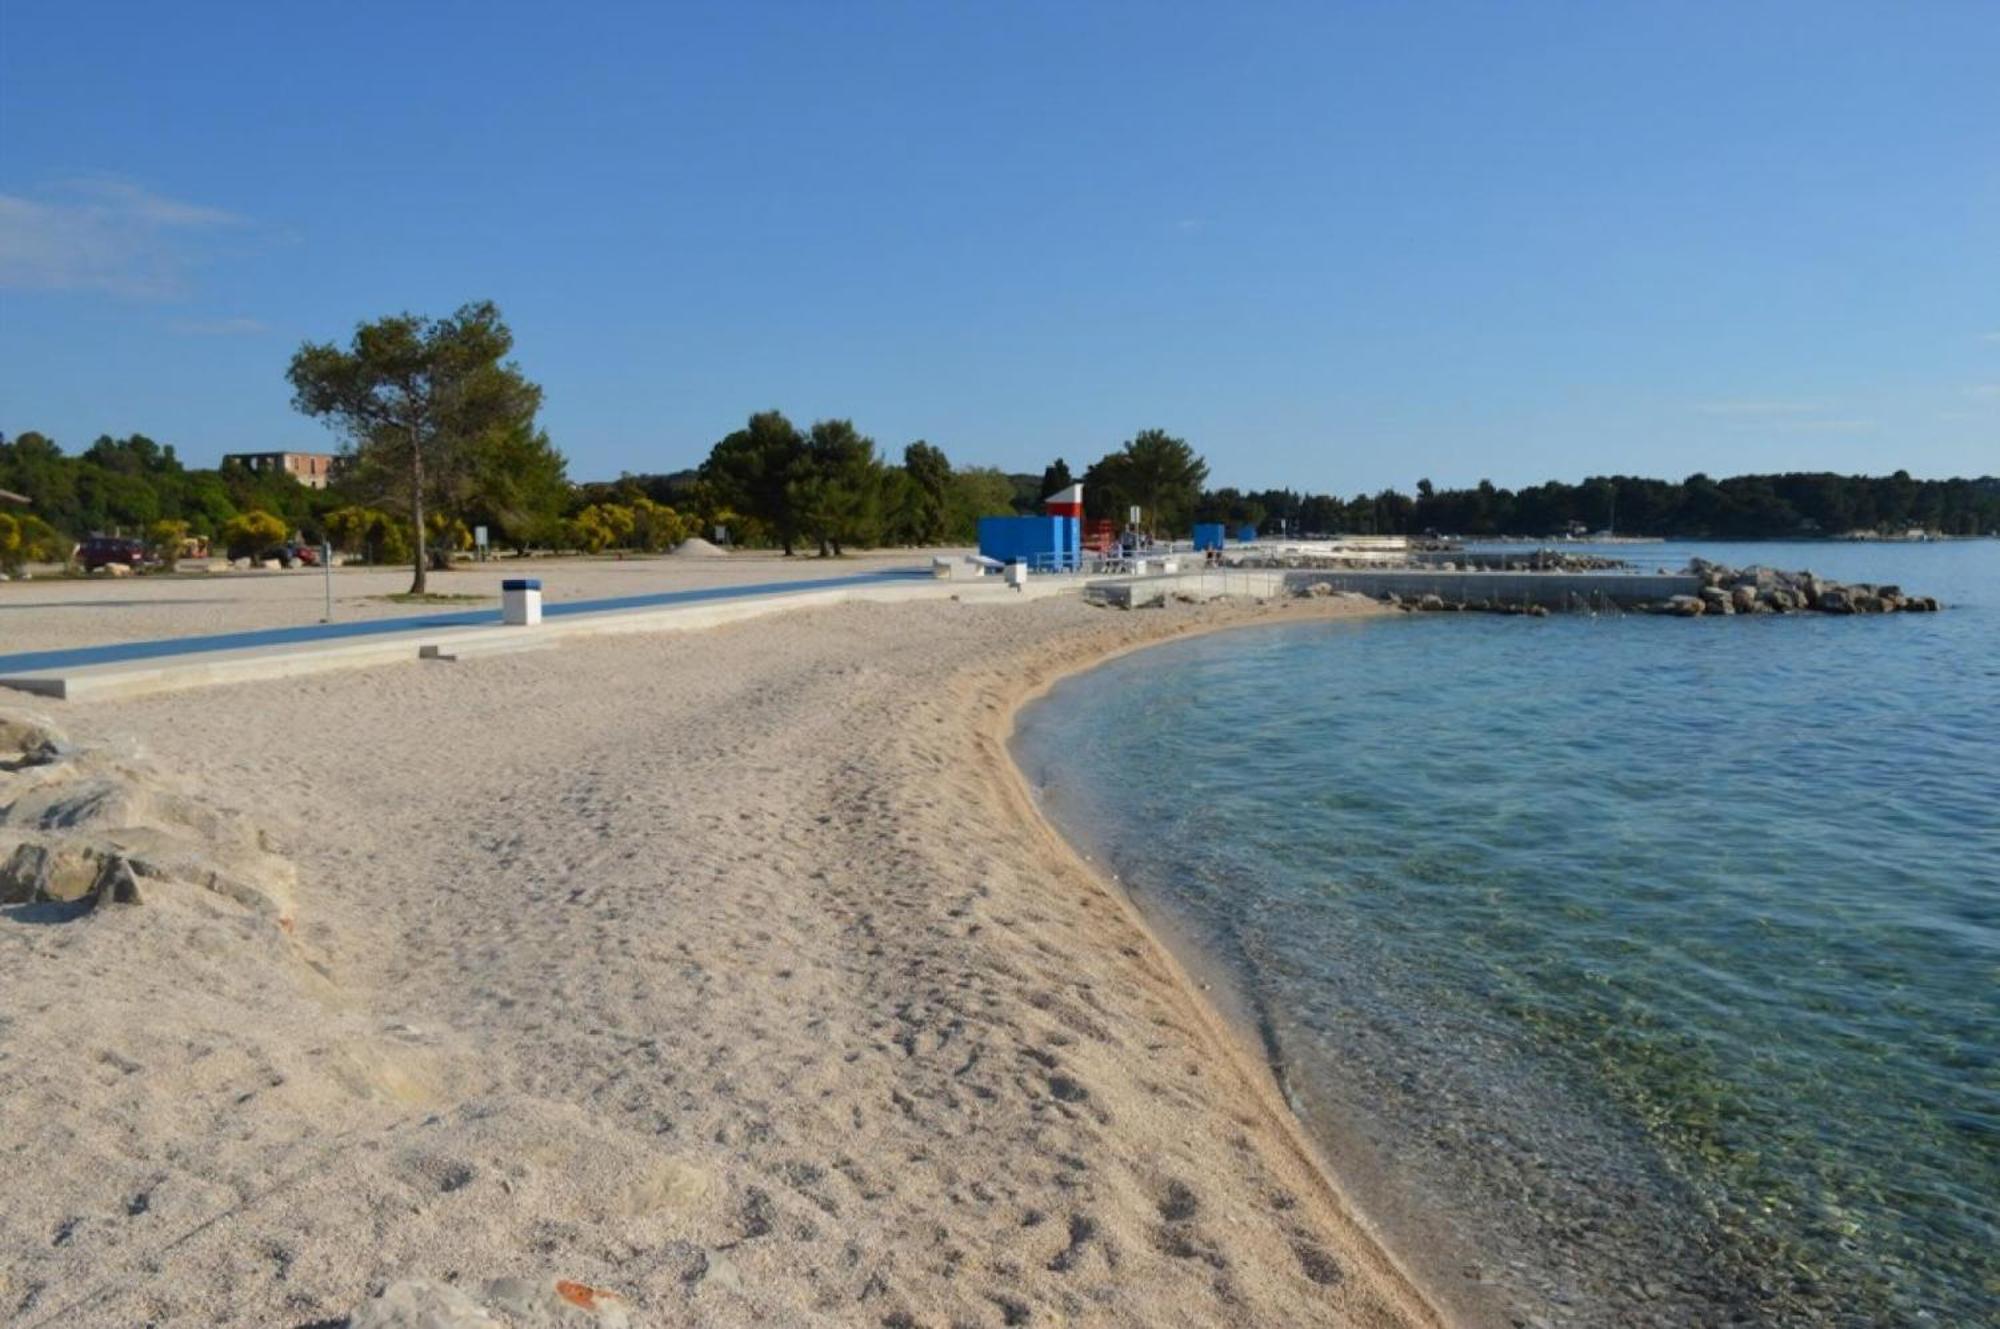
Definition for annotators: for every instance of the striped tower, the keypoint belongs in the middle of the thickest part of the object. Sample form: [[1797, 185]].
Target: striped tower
[[1068, 504]]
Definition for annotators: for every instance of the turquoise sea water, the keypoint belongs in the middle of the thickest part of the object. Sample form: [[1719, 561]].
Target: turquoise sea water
[[1654, 963]]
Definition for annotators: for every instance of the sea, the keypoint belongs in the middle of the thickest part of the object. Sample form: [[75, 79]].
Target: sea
[[1628, 970]]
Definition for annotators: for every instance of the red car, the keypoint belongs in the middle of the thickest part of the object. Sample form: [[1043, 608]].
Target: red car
[[293, 554]]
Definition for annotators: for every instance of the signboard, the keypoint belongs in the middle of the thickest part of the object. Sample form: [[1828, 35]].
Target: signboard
[[479, 536], [1135, 514]]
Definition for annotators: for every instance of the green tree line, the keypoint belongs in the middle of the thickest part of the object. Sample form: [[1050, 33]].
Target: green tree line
[[1800, 505], [438, 434]]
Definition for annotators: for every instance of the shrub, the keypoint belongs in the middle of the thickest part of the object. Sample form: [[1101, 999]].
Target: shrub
[[249, 534], [166, 538], [589, 531], [655, 526], [28, 539]]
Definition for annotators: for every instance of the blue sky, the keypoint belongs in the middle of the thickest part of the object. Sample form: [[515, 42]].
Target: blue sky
[[1337, 246]]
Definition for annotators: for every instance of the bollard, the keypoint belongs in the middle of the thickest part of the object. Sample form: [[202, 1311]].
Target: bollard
[[521, 602], [1017, 575]]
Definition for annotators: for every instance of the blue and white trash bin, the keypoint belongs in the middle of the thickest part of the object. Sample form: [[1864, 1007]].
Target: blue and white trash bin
[[521, 601]]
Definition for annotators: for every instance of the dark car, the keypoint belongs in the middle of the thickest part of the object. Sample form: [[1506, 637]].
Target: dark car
[[100, 550]]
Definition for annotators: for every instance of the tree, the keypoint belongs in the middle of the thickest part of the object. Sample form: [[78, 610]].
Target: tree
[[755, 471], [518, 489], [977, 491], [1056, 477], [922, 511], [1155, 472], [420, 403], [837, 492]]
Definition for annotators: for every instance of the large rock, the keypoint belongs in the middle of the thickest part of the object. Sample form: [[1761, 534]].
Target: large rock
[[1715, 600], [1685, 606], [82, 804], [1758, 578], [36, 871], [28, 740], [1743, 599]]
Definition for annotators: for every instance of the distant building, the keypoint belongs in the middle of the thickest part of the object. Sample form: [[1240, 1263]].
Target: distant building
[[311, 469]]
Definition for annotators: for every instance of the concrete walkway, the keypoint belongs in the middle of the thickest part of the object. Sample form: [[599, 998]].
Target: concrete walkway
[[126, 669]]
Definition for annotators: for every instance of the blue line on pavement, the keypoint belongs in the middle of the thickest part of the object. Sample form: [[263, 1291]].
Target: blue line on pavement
[[120, 652]]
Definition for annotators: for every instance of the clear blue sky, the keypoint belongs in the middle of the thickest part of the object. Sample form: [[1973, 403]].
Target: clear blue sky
[[1337, 246]]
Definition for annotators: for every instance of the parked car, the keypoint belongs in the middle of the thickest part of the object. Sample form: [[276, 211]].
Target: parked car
[[100, 550], [293, 554]]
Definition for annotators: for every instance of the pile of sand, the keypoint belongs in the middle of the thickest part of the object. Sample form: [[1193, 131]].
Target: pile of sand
[[696, 547]]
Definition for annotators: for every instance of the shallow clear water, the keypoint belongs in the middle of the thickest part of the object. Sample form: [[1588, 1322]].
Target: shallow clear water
[[1658, 959]]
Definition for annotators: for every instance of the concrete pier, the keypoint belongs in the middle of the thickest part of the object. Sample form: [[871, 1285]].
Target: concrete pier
[[1551, 590]]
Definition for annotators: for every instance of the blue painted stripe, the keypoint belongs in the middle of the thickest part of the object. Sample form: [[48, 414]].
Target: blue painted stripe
[[167, 648]]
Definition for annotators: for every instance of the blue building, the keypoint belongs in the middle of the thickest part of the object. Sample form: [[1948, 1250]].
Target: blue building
[[1045, 544]]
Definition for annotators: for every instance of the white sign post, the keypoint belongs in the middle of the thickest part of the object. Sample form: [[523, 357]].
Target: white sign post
[[326, 567], [479, 541]]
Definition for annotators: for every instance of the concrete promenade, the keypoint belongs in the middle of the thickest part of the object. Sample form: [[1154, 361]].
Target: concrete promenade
[[127, 669]]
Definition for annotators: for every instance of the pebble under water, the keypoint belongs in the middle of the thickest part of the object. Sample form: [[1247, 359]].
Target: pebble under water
[[1654, 964]]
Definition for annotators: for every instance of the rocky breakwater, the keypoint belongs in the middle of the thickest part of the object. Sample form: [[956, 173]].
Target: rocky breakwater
[[1761, 590], [87, 826], [1539, 560]]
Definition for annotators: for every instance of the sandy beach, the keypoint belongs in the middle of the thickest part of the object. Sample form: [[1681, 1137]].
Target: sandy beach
[[731, 971]]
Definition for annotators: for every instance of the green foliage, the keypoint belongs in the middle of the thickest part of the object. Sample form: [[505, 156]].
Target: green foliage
[[977, 491], [428, 409], [836, 496], [26, 538], [249, 534], [596, 528], [446, 535], [655, 526], [117, 485], [166, 538], [918, 501], [757, 471], [1155, 472], [369, 532], [1745, 507], [1056, 477], [517, 488]]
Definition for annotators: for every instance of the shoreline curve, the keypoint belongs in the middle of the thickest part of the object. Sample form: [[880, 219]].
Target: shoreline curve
[[1212, 1006]]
